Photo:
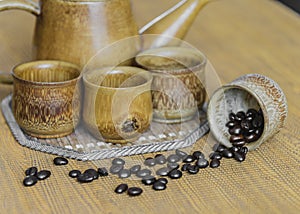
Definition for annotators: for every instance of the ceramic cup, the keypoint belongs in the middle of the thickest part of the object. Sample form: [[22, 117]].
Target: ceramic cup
[[250, 91], [43, 96], [178, 82], [117, 103]]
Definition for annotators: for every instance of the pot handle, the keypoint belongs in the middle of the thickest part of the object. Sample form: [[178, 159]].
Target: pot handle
[[26, 5]]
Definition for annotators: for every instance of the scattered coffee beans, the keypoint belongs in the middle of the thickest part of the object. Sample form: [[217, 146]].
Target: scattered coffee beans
[[175, 174], [43, 174], [150, 162], [134, 191], [31, 171], [60, 161], [160, 159], [74, 173], [102, 172], [30, 180], [173, 158], [148, 180], [214, 163], [124, 173], [158, 186], [121, 188], [188, 159], [134, 169], [118, 161]]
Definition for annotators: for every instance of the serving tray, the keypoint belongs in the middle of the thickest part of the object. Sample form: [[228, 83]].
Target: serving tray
[[81, 145]]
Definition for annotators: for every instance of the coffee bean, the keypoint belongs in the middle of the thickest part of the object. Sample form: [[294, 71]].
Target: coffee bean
[[239, 156], [148, 180], [124, 173], [246, 125], [251, 138], [202, 163], [188, 159], [239, 144], [173, 165], [227, 153], [102, 172], [43, 174], [30, 180], [198, 155], [193, 169], [134, 169], [214, 163], [160, 159], [258, 121], [181, 153], [259, 131], [236, 138], [60, 161], [134, 191], [31, 171], [244, 150], [93, 173], [158, 185], [251, 112], [236, 130], [115, 169], [231, 116], [74, 173], [173, 158], [150, 162], [143, 172], [118, 161], [220, 148], [249, 119], [230, 124], [240, 116], [163, 180], [215, 155], [163, 171], [175, 174], [85, 178], [185, 166], [233, 149], [121, 188]]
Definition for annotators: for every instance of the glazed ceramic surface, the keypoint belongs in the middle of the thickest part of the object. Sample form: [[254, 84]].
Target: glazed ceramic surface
[[249, 91], [43, 96], [75, 30], [117, 103], [178, 82]]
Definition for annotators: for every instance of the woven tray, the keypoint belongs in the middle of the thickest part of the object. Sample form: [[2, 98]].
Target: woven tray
[[81, 145]]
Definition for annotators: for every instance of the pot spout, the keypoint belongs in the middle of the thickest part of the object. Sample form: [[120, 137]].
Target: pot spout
[[174, 22]]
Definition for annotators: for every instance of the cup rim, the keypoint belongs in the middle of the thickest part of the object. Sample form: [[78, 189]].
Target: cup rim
[[102, 71], [175, 50], [46, 62]]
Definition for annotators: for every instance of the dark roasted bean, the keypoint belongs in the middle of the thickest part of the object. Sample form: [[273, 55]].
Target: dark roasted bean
[[148, 180], [236, 130], [175, 174], [150, 162], [43, 174], [115, 169], [202, 163], [244, 150], [121, 188], [30, 180], [173, 158], [134, 169], [158, 185], [233, 149], [221, 148], [251, 138], [231, 116], [163, 171], [239, 156], [258, 121], [188, 159], [251, 112], [74, 173], [214, 163], [143, 172], [118, 161], [239, 144], [93, 173], [124, 173], [240, 116], [236, 138], [160, 159], [246, 125], [230, 124], [60, 161], [31, 171], [173, 165], [181, 153], [185, 166], [102, 171], [134, 191], [85, 178], [215, 155], [198, 155], [163, 180], [227, 153], [193, 169]]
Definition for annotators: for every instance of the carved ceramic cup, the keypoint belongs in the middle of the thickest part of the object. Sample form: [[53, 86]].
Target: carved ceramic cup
[[249, 91], [43, 96], [117, 103], [178, 82]]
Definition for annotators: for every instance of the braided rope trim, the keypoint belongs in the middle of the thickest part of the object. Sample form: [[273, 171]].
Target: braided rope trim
[[21, 138]]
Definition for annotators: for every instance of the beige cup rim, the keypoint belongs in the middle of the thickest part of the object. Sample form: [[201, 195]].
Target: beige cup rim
[[151, 53], [104, 70], [46, 62]]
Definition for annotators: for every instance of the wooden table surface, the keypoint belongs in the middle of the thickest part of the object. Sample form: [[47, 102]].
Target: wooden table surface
[[238, 37]]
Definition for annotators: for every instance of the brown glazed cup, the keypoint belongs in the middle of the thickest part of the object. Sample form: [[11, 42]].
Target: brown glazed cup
[[178, 82], [250, 91], [117, 103], [43, 96]]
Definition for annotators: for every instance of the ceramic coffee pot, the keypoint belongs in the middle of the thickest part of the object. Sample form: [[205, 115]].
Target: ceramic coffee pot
[[75, 30]]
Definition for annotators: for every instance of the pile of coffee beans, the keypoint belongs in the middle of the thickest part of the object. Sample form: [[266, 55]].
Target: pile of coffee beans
[[88, 175], [245, 127], [33, 176]]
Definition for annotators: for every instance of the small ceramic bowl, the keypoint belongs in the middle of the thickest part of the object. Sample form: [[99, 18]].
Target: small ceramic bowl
[[43, 96], [250, 91], [178, 82]]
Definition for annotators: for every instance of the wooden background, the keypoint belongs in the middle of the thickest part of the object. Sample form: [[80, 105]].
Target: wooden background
[[238, 37]]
